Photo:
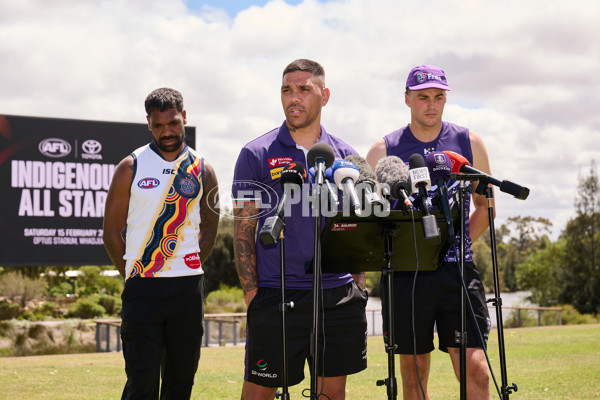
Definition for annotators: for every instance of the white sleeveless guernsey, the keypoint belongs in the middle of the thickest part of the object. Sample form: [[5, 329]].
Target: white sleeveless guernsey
[[163, 221]]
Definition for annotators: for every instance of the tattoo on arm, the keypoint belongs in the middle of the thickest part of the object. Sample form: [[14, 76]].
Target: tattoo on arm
[[244, 245]]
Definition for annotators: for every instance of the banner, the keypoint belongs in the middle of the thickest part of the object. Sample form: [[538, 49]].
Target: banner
[[55, 175]]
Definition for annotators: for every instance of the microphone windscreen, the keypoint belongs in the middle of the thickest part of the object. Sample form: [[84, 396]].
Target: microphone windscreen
[[320, 151], [439, 165], [457, 161], [343, 169], [416, 161], [294, 172], [365, 170], [390, 170]]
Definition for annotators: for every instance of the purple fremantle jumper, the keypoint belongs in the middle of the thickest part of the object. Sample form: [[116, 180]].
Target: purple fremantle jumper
[[256, 175], [403, 143]]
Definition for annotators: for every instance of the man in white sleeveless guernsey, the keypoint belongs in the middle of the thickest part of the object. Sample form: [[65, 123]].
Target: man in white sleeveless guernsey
[[162, 193]]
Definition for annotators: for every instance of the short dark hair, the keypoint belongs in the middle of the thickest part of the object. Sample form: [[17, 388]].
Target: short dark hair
[[305, 65], [163, 99]]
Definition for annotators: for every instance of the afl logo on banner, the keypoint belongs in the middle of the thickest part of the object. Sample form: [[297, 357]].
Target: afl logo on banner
[[186, 185], [148, 183], [55, 147]]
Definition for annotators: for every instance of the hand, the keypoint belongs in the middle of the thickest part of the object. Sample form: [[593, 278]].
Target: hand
[[249, 296], [360, 279]]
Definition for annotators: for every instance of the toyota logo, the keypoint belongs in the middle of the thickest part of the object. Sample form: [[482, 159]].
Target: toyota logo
[[91, 146]]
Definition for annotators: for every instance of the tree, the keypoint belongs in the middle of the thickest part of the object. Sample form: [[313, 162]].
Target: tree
[[516, 240], [541, 272], [581, 277], [219, 268]]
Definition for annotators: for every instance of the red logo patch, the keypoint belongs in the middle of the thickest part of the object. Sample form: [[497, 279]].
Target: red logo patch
[[192, 260], [279, 161], [148, 183], [340, 227]]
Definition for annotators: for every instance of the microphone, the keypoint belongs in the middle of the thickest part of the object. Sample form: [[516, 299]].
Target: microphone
[[393, 172], [420, 182], [345, 175], [320, 156], [331, 188], [461, 164], [439, 166], [367, 181], [292, 177]]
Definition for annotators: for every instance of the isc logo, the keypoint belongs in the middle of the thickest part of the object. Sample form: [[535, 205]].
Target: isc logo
[[148, 183]]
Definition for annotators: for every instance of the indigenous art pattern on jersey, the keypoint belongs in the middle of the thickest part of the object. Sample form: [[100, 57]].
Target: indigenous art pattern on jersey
[[163, 238]]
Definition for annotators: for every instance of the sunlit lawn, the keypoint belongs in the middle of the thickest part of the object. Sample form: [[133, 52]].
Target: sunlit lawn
[[545, 363]]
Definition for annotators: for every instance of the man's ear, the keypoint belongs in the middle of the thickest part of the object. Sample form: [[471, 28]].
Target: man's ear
[[326, 95]]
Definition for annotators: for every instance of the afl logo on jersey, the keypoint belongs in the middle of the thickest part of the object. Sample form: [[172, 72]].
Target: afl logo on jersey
[[148, 183], [186, 185]]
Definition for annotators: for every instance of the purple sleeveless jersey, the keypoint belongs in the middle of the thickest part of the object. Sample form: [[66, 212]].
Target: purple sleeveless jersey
[[403, 143]]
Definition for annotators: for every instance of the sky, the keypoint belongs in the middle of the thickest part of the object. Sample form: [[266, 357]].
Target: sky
[[524, 74]]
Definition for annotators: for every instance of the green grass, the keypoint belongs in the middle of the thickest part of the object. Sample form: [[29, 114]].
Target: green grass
[[546, 363]]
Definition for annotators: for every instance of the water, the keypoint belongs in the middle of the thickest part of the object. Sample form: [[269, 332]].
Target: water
[[374, 319]]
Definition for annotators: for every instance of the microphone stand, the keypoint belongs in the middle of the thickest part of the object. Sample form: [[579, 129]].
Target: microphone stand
[[461, 337], [283, 307], [361, 249], [314, 348], [497, 301], [390, 346]]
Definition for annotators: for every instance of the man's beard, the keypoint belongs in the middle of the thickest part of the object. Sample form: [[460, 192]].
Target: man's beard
[[171, 147]]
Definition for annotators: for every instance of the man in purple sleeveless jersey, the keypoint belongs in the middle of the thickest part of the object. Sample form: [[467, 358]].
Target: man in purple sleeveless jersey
[[256, 179], [437, 293]]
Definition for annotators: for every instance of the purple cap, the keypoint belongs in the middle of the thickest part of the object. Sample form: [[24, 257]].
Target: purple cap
[[425, 77]]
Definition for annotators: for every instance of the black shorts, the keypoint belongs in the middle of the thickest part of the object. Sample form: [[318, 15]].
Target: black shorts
[[344, 325], [437, 302]]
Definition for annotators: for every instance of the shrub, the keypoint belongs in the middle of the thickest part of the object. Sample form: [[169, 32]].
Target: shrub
[[85, 309], [373, 279], [37, 331], [527, 318], [112, 304], [16, 286], [44, 310], [9, 310], [62, 289], [570, 316], [225, 300], [110, 285], [6, 329], [88, 281]]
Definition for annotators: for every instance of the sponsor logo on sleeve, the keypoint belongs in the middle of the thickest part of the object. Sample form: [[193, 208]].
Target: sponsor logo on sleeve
[[279, 161], [276, 172]]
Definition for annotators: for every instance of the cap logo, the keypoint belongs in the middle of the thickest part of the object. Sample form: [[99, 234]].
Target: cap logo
[[421, 77], [439, 159]]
